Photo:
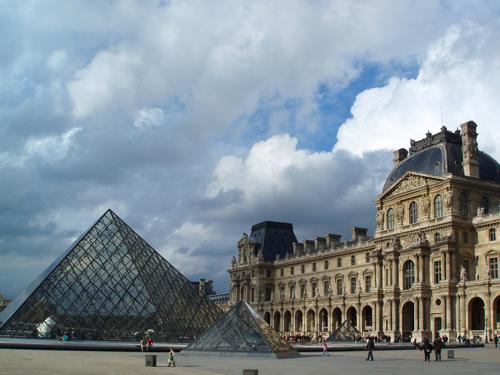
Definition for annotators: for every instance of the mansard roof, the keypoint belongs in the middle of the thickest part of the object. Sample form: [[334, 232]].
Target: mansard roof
[[274, 238], [441, 154]]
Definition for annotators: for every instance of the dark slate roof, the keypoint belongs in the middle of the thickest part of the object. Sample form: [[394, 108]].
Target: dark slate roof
[[274, 238], [440, 154]]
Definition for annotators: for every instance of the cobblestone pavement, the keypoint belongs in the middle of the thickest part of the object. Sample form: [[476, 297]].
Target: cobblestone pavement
[[41, 362]]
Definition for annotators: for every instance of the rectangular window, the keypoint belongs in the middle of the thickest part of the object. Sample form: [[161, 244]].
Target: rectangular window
[[367, 258], [268, 294], [339, 287], [494, 268], [292, 271], [268, 273], [465, 238], [368, 283], [302, 268], [282, 292], [339, 262], [437, 272], [282, 272], [353, 285], [314, 267], [302, 290], [353, 260], [292, 292], [313, 290]]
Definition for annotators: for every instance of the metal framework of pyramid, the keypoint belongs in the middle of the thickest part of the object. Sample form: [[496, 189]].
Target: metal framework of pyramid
[[241, 331], [110, 285], [346, 332]]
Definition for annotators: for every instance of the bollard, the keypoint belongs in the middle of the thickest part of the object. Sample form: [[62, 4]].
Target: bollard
[[250, 372], [150, 360], [451, 354]]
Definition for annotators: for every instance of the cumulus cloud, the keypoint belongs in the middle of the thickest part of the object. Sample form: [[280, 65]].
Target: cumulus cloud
[[459, 78], [194, 125]]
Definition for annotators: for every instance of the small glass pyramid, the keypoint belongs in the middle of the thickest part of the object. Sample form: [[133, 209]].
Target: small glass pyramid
[[241, 331], [109, 285], [346, 332]]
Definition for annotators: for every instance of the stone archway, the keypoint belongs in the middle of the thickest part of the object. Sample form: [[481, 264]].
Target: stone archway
[[267, 317], [336, 318], [476, 314], [407, 320], [323, 320], [496, 314], [299, 319], [277, 321], [352, 316], [311, 321], [287, 321], [367, 315]]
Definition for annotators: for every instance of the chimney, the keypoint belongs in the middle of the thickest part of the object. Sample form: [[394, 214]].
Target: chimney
[[309, 246], [298, 248], [359, 233], [470, 152], [332, 239], [399, 155], [320, 243]]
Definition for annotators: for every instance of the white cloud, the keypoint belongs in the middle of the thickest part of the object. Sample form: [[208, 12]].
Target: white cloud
[[108, 81], [52, 148], [149, 118], [460, 74]]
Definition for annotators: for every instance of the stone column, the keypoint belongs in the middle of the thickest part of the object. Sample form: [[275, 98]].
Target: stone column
[[415, 314], [421, 314], [459, 314], [422, 268], [449, 320], [448, 266], [395, 316], [417, 268], [390, 316], [380, 274], [395, 272], [443, 313]]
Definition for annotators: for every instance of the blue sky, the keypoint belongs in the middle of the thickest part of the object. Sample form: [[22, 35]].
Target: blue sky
[[194, 120]]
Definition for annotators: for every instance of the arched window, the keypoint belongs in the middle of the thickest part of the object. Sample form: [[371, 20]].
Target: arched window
[[485, 205], [408, 274], [413, 213], [438, 206], [390, 218], [493, 234], [464, 210]]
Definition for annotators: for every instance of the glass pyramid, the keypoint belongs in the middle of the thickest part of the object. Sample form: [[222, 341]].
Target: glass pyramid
[[241, 331], [346, 332], [109, 285]]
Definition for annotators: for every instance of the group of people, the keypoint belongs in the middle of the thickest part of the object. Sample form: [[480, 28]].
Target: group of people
[[428, 347]]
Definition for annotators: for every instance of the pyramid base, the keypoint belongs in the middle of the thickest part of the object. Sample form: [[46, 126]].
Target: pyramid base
[[278, 355]]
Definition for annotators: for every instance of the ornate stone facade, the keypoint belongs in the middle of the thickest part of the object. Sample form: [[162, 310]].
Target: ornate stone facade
[[431, 267]]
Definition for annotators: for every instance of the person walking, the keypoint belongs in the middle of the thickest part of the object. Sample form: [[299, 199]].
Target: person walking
[[427, 350], [495, 339], [438, 344], [171, 359], [370, 346], [325, 348]]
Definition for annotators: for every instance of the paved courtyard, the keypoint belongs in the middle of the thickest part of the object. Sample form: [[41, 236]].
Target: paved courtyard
[[41, 362]]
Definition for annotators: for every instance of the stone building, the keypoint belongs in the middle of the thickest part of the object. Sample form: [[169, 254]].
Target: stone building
[[430, 269]]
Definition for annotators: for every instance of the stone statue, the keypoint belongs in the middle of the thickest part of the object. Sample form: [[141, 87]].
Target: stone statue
[[400, 213], [344, 291], [448, 199], [359, 287], [233, 261], [463, 274], [426, 206], [380, 218]]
